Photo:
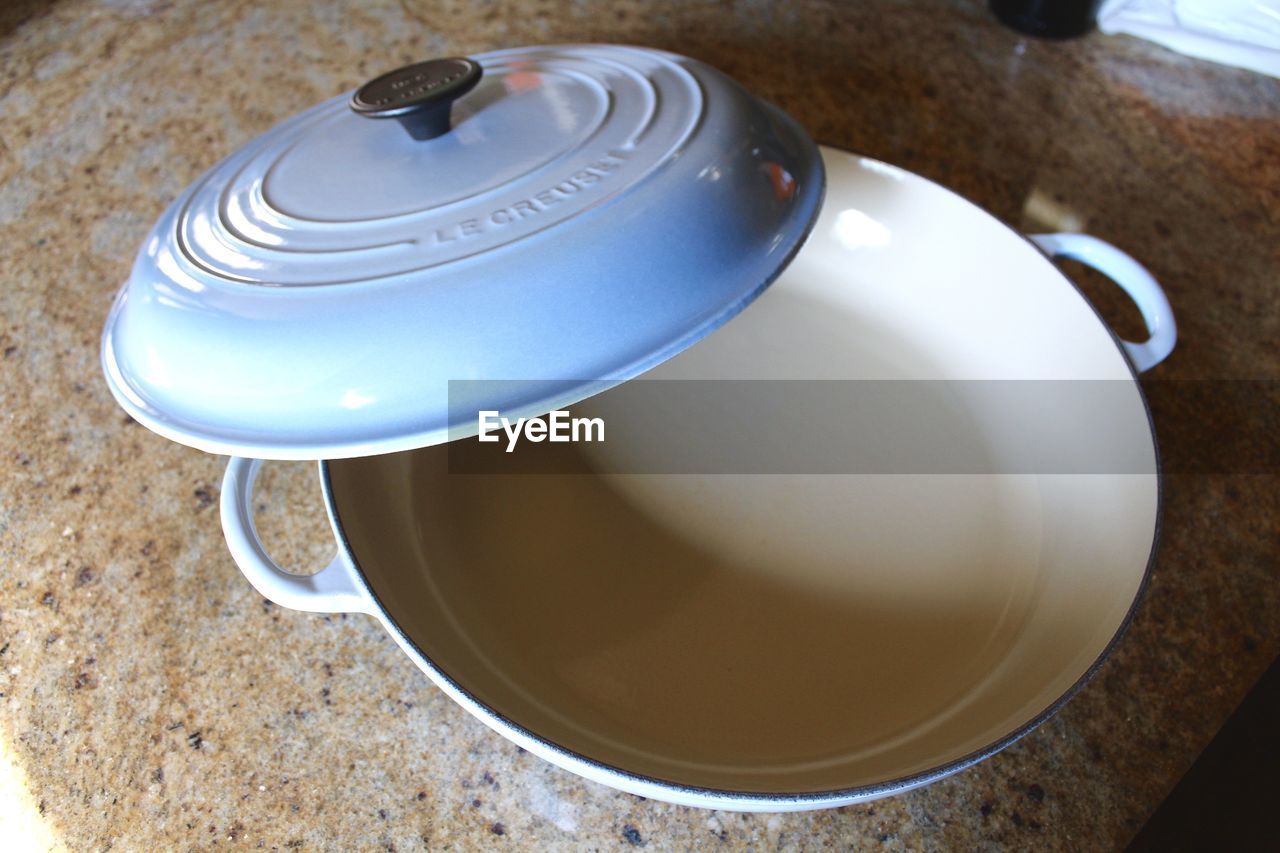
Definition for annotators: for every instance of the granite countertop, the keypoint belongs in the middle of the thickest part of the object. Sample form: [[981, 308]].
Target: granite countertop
[[151, 698]]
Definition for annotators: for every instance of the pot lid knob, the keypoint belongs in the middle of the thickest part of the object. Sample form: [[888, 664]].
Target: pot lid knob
[[419, 96]]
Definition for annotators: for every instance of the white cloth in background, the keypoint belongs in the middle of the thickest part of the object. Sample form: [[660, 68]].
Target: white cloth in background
[[1244, 33]]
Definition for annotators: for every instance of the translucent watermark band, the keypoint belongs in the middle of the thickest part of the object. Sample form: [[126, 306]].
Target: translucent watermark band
[[821, 427]]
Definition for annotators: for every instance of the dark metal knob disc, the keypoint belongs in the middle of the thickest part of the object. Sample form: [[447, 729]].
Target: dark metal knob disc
[[419, 96]]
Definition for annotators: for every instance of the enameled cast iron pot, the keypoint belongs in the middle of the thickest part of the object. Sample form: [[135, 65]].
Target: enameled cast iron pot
[[742, 641]]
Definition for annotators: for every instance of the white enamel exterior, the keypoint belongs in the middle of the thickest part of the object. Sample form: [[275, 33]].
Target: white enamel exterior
[[334, 589], [1136, 281], [593, 211], [975, 295]]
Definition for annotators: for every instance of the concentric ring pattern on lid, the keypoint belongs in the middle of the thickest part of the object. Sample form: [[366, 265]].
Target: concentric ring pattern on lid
[[589, 212]]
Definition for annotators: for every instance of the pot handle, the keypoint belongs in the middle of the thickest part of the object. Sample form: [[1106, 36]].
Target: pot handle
[[1134, 279], [333, 589]]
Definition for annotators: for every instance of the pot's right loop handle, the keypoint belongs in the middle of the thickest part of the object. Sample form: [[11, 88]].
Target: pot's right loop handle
[[1133, 277], [333, 589]]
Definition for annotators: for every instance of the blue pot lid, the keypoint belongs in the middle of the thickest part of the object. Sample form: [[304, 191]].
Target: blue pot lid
[[565, 216]]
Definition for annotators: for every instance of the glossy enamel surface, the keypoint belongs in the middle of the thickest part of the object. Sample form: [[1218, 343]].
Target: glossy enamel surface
[[593, 211], [773, 642]]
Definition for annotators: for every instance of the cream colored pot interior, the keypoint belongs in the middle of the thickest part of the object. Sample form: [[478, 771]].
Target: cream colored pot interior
[[786, 633]]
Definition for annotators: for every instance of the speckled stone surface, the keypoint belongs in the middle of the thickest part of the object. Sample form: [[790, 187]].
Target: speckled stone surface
[[152, 700]]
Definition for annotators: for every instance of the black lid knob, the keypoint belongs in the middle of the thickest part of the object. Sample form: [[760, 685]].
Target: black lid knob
[[419, 96]]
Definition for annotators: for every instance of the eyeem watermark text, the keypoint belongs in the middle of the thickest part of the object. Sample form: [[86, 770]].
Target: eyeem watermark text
[[556, 426]]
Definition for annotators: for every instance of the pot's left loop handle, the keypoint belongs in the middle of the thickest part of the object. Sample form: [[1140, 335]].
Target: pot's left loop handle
[[333, 589], [1134, 279]]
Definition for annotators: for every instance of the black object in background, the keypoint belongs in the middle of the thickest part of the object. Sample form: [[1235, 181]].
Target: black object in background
[[1229, 798], [1048, 18]]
